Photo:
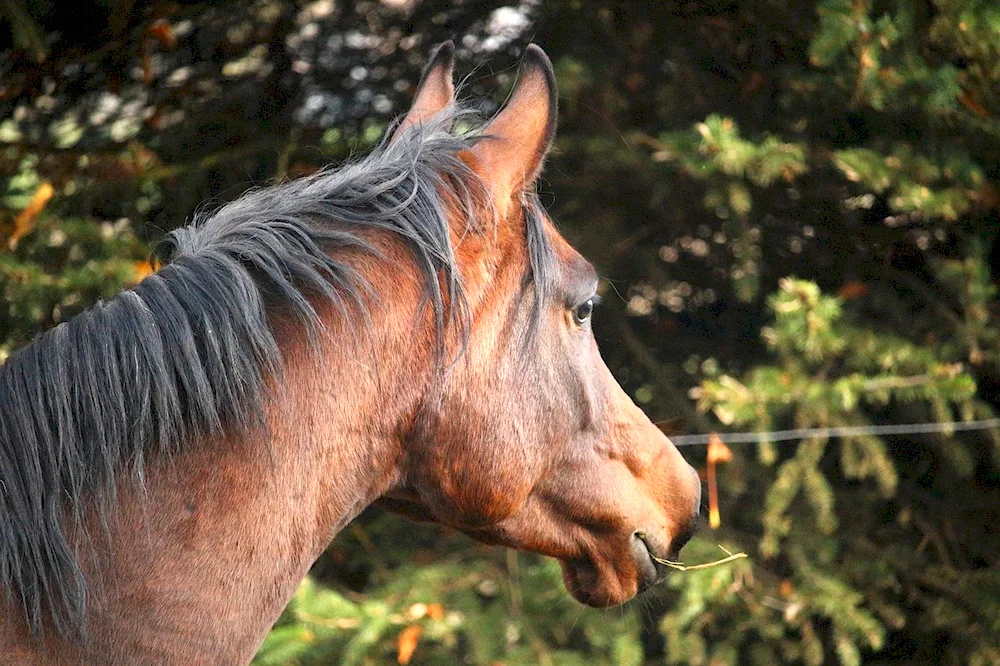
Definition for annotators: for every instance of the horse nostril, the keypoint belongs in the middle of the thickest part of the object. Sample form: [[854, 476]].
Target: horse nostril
[[681, 540]]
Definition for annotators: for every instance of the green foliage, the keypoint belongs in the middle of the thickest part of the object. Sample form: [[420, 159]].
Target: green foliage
[[61, 267], [472, 604], [715, 152], [717, 148], [944, 187], [828, 372]]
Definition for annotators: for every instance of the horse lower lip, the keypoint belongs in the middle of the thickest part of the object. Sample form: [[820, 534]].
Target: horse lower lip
[[648, 570]]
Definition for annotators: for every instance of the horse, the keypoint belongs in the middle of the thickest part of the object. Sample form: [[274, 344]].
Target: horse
[[409, 330]]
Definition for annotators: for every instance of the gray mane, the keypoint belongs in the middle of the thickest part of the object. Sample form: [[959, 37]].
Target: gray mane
[[189, 350]]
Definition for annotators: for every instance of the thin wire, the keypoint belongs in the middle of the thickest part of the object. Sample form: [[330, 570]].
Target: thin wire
[[841, 431]]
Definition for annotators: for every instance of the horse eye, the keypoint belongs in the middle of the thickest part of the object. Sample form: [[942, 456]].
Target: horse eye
[[583, 311]]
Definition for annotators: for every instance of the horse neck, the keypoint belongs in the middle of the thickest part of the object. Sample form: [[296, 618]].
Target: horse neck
[[198, 566]]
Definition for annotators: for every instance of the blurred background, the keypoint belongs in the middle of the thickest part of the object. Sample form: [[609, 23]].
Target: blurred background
[[795, 208]]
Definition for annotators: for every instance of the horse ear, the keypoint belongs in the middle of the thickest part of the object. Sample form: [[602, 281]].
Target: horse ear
[[435, 91], [509, 157]]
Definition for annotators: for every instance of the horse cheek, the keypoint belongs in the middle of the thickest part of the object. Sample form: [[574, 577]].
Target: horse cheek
[[487, 494], [468, 472]]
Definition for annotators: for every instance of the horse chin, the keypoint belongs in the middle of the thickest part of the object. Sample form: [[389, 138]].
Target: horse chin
[[610, 585], [592, 587]]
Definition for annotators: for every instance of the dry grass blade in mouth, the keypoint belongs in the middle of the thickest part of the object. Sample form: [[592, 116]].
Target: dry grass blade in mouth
[[707, 565]]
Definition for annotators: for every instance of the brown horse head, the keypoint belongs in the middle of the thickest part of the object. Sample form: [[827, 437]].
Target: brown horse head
[[527, 440]]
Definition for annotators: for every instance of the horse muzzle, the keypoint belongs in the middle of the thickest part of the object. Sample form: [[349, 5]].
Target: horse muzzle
[[650, 556]]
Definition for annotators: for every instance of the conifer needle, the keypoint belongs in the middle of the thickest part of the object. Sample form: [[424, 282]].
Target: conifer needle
[[730, 557]]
